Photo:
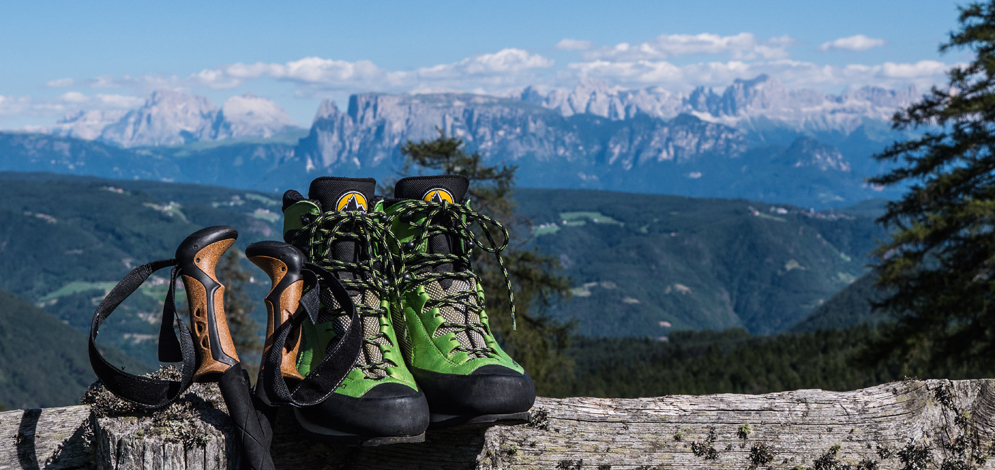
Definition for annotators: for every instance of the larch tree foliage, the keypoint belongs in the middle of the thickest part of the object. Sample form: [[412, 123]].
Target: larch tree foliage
[[937, 268], [539, 341]]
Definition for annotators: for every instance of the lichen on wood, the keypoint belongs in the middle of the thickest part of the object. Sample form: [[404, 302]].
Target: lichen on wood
[[913, 424]]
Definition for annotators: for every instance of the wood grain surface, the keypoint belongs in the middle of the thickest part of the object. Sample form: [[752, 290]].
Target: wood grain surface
[[912, 424]]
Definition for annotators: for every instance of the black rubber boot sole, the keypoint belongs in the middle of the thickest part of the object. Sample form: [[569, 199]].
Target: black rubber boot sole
[[328, 435], [441, 421]]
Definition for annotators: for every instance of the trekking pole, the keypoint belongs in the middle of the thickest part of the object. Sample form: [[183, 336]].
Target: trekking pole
[[217, 360], [283, 264], [299, 288]]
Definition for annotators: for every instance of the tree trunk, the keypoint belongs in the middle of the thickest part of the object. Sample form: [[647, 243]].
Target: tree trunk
[[901, 425]]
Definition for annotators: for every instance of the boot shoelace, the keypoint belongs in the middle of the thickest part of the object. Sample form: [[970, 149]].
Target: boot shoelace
[[453, 220], [371, 236]]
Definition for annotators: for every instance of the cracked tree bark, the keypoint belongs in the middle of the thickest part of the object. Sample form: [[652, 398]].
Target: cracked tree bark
[[901, 425]]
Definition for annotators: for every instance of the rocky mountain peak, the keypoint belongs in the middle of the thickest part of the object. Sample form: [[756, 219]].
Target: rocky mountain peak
[[171, 117], [86, 125], [744, 100], [752, 96], [808, 152], [326, 110], [168, 117], [250, 115]]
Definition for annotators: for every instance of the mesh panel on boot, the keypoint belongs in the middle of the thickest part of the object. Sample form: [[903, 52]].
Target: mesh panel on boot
[[459, 314], [371, 331], [400, 329]]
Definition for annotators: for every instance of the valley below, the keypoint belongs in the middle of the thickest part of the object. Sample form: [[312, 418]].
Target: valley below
[[641, 265]]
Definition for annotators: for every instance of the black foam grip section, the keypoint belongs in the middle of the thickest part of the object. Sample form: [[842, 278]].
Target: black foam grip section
[[255, 441]]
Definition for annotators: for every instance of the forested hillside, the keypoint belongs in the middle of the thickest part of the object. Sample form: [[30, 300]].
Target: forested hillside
[[66, 241], [639, 263], [733, 361], [645, 264], [44, 362]]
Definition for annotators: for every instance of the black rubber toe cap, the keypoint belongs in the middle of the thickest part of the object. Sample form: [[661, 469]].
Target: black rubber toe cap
[[490, 389], [389, 409]]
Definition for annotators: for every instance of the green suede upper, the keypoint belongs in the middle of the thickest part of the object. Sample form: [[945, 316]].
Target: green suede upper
[[316, 338], [429, 350]]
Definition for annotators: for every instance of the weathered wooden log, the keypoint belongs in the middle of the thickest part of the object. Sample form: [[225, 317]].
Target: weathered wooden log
[[902, 425]]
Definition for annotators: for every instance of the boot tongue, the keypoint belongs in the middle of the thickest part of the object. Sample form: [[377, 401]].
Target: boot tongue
[[343, 194], [443, 188]]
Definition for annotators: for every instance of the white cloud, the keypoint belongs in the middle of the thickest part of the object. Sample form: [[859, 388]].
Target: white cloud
[[316, 73], [74, 97], [67, 103], [101, 101], [852, 43], [104, 81], [741, 46], [794, 74], [120, 101], [567, 44], [60, 83], [504, 62], [14, 105], [143, 83], [627, 65]]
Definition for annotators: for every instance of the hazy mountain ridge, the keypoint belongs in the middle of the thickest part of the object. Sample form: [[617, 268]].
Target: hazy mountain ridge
[[369, 133], [733, 144], [174, 118], [762, 97]]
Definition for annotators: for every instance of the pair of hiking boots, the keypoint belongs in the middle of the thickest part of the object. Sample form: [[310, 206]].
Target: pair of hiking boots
[[428, 355]]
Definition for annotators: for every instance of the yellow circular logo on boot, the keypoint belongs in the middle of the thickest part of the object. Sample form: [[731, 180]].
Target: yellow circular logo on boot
[[351, 201], [438, 195]]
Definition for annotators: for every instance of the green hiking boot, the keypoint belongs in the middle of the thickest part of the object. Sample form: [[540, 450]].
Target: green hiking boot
[[340, 229], [450, 348]]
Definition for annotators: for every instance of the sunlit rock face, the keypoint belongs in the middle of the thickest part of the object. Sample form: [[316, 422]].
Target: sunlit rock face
[[250, 116], [166, 118], [373, 126], [173, 118], [741, 104]]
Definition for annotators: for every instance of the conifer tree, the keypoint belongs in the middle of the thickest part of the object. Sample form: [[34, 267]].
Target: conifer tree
[[937, 269], [539, 342]]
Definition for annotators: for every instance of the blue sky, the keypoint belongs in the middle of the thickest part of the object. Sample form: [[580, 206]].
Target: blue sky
[[60, 57]]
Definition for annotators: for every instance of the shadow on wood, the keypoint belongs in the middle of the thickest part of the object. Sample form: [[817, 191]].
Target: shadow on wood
[[901, 425]]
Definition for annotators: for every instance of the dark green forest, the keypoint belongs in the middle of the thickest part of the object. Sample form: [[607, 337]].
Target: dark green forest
[[44, 362], [733, 361]]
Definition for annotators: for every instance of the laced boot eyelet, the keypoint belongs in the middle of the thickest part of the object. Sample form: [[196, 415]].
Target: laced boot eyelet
[[305, 219], [407, 276], [470, 244], [408, 246]]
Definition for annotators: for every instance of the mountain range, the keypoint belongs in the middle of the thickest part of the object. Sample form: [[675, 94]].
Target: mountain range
[[747, 104], [755, 140], [172, 118]]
